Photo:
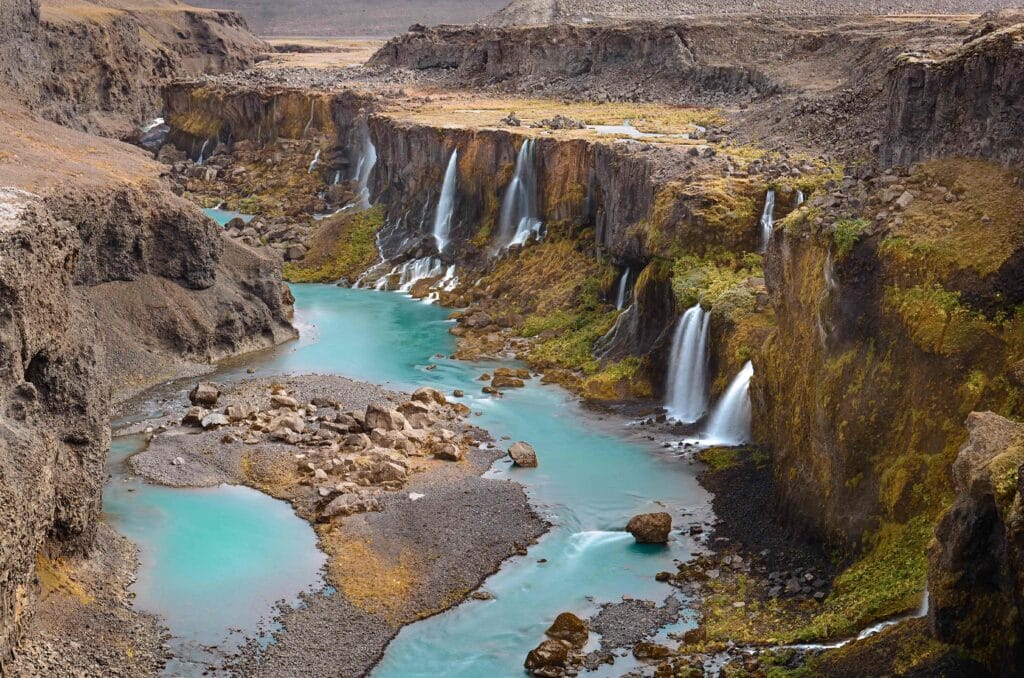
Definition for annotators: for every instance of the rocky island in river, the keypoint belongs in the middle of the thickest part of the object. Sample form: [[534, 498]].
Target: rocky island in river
[[675, 339]]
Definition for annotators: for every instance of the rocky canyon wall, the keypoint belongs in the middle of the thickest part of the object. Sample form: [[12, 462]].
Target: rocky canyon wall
[[968, 102]]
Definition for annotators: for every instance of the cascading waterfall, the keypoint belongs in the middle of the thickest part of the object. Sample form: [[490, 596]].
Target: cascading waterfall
[[687, 398], [730, 422], [518, 218], [624, 291], [316, 161], [367, 161], [413, 271], [767, 218], [800, 198], [337, 177], [202, 152], [446, 204]]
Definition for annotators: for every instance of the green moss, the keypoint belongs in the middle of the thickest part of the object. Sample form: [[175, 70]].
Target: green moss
[[846, 234], [619, 380], [888, 580], [720, 458], [343, 248], [719, 284], [936, 320]]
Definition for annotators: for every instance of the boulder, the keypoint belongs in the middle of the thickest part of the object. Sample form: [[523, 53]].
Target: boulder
[[290, 422], [349, 504], [194, 416], [413, 407], [204, 394], [284, 402], [448, 452], [383, 418], [239, 412], [571, 629], [507, 382], [517, 372], [650, 528], [645, 650], [523, 454], [214, 420], [549, 654], [427, 395]]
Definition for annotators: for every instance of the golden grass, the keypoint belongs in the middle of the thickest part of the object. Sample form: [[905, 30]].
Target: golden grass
[[56, 576], [372, 581]]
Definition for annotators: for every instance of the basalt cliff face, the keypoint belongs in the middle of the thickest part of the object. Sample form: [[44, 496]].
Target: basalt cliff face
[[967, 102]]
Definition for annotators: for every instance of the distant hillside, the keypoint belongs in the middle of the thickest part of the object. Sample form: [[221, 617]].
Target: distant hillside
[[382, 18], [520, 12]]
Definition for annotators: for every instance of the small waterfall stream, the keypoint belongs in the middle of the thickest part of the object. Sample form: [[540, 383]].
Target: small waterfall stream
[[316, 161], [767, 218], [367, 161], [518, 218], [729, 423], [687, 398], [202, 152], [624, 291], [446, 204]]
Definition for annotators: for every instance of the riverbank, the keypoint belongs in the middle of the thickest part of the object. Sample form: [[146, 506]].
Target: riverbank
[[84, 622], [405, 547]]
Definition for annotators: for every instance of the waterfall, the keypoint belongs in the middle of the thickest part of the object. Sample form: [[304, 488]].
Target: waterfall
[[413, 271], [446, 204], [800, 198], [730, 422], [316, 161], [337, 177], [367, 161], [312, 109], [687, 398], [766, 218], [202, 152], [518, 218], [624, 292]]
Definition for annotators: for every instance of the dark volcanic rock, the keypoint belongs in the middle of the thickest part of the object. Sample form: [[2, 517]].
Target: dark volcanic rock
[[976, 563]]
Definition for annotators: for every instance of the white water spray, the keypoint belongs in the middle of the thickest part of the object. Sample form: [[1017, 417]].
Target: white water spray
[[316, 161], [687, 398], [624, 291], [446, 204], [367, 161], [767, 218], [800, 198], [202, 152], [730, 422], [518, 220]]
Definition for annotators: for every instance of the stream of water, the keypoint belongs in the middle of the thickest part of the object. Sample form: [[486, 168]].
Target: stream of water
[[593, 476]]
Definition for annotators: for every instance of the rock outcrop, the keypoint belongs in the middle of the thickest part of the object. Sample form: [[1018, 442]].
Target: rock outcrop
[[976, 563], [54, 395], [968, 102], [97, 66]]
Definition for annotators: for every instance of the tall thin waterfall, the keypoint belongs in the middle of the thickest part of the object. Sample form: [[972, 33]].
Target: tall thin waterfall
[[730, 422], [367, 161], [800, 198], [687, 397], [767, 218], [202, 152], [623, 295], [316, 161], [518, 218], [446, 204]]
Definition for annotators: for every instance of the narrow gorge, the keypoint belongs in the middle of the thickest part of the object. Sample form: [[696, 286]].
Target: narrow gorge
[[620, 346]]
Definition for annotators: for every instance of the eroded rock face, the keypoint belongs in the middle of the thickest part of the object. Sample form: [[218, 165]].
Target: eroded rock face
[[976, 563], [54, 398]]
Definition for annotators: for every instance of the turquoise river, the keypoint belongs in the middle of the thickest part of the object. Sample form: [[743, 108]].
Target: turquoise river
[[206, 552]]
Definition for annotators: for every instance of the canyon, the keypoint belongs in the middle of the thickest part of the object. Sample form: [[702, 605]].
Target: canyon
[[787, 248]]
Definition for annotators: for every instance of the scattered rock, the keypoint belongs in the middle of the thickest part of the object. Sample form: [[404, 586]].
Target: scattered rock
[[204, 394], [570, 628], [549, 654], [650, 528], [194, 416], [523, 454], [214, 420]]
